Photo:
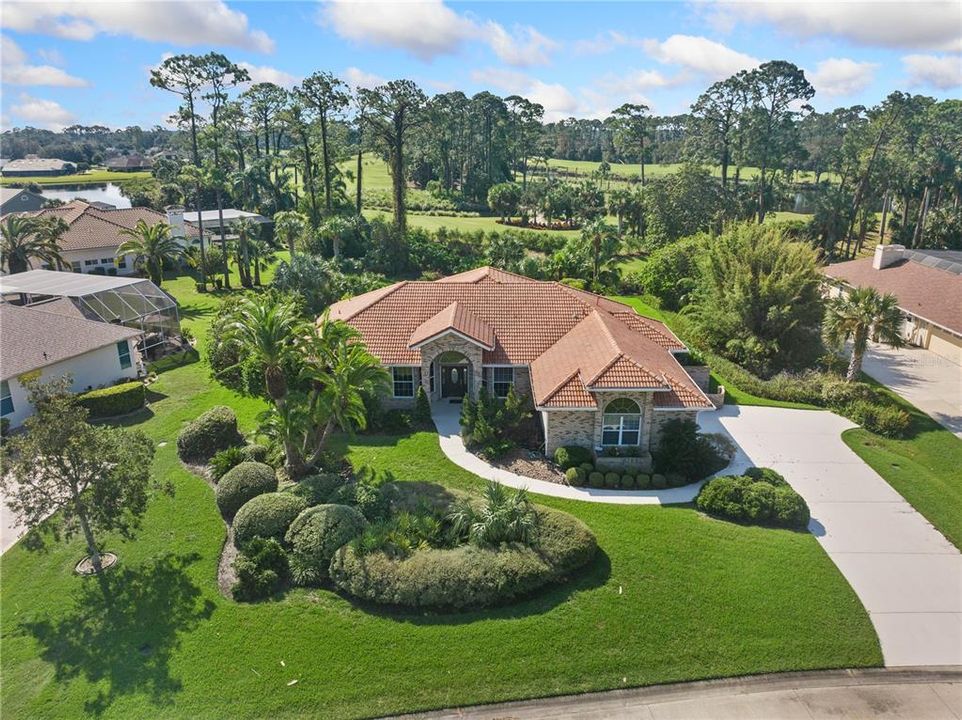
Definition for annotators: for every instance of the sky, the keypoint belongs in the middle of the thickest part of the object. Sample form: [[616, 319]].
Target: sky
[[88, 62]]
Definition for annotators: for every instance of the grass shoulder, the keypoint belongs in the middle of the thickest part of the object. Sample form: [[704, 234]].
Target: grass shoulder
[[85, 178]]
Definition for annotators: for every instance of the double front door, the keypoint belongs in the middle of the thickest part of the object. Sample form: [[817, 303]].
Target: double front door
[[454, 381]]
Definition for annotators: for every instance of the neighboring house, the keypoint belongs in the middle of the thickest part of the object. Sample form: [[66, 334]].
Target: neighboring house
[[94, 234], [600, 375], [53, 342], [211, 220], [34, 166], [13, 200], [129, 163], [928, 285]]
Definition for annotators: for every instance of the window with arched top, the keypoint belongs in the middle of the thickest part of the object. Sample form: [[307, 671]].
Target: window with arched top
[[622, 423]]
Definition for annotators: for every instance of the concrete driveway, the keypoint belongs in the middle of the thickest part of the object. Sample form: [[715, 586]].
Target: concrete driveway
[[908, 576], [928, 381]]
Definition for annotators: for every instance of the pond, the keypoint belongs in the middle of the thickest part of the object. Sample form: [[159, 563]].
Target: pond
[[107, 192]]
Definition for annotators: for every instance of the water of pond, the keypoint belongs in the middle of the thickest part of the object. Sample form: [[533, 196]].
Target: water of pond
[[108, 193]]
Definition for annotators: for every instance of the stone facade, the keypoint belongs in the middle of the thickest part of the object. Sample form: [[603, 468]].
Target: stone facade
[[389, 402], [450, 342], [660, 417], [568, 427]]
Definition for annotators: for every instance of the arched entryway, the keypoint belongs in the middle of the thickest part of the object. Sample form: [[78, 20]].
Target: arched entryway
[[452, 373]]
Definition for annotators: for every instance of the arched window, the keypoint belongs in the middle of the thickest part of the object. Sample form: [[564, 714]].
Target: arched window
[[622, 423]]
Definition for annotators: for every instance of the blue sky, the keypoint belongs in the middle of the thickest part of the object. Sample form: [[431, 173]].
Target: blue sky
[[88, 62]]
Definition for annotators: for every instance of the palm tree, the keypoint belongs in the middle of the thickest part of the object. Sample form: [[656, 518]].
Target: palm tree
[[247, 231], [24, 238], [859, 315], [262, 255], [289, 225], [152, 247]]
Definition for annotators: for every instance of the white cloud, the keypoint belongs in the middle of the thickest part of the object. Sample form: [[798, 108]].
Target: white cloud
[[41, 113], [357, 78], [523, 48], [940, 71], [52, 56], [557, 100], [707, 58], [929, 25], [180, 22], [428, 29], [606, 42], [17, 71], [836, 77], [265, 73]]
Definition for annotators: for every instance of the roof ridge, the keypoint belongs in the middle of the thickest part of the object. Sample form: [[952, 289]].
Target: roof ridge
[[391, 290], [607, 367], [554, 391]]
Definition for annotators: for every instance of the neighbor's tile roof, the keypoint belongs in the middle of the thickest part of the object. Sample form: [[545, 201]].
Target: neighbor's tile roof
[[91, 227], [34, 338], [929, 293], [573, 340]]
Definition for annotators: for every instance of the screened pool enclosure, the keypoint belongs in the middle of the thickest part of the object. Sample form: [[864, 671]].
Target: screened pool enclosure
[[132, 302]]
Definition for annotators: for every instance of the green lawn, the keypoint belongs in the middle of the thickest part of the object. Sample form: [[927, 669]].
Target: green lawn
[[487, 223], [85, 178], [626, 170], [673, 596]]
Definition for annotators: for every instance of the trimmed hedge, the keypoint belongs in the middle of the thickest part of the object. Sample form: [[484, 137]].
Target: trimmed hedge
[[316, 534], [467, 576], [215, 430], [760, 497], [242, 483], [267, 516], [575, 476], [568, 456], [117, 400]]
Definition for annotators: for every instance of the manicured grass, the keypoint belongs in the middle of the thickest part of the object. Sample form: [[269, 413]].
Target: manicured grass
[[673, 596], [626, 170], [469, 223], [85, 178], [924, 468]]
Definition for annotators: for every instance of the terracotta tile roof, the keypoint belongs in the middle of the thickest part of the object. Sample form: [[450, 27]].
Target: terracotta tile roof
[[34, 339], [91, 227], [625, 373], [458, 318], [655, 331], [929, 293], [486, 272], [571, 394]]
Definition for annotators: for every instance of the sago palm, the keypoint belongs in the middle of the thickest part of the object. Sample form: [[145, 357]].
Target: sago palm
[[152, 247], [860, 315], [24, 238]]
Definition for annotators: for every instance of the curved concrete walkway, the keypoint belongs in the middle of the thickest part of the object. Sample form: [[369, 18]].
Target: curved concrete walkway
[[905, 694], [907, 575]]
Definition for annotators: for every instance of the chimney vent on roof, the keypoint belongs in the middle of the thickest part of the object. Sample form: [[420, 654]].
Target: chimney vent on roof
[[175, 218], [886, 255]]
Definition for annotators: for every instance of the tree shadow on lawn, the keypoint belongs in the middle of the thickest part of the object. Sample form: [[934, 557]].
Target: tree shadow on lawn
[[123, 629]]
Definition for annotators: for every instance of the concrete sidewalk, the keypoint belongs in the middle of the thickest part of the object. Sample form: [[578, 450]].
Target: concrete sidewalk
[[906, 694]]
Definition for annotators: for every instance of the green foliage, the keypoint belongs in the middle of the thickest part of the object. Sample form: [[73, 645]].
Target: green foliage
[[643, 481], [422, 408], [224, 460], [117, 400], [317, 489], [757, 299], [659, 481], [568, 456], [575, 476], [683, 204], [886, 420], [683, 451], [596, 479], [242, 483], [504, 199], [491, 427], [612, 480], [261, 568], [319, 283], [505, 516], [366, 494], [861, 314], [760, 497], [316, 534], [266, 516], [467, 576], [669, 273], [202, 438]]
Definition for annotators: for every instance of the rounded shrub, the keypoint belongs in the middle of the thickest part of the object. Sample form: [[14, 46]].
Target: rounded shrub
[[215, 430], [117, 400], [255, 453], [575, 476], [596, 480], [571, 456], [467, 576], [766, 475], [758, 500], [587, 468], [627, 482], [266, 516], [791, 510], [659, 482], [316, 534], [643, 480], [242, 483], [762, 499], [317, 489], [612, 479]]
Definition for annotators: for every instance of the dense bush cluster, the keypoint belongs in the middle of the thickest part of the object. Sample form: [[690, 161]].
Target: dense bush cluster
[[213, 431], [242, 483], [491, 427], [261, 568], [759, 497], [316, 534], [683, 451], [117, 400], [268, 515], [228, 458], [570, 456]]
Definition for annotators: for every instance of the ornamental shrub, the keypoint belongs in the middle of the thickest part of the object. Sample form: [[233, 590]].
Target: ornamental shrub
[[224, 460], [612, 479], [791, 511], [117, 400], [627, 482], [758, 503], [316, 534], [215, 430], [659, 482], [682, 450], [596, 479], [266, 516], [839, 394], [587, 468], [760, 498], [317, 489], [767, 475], [568, 456], [575, 476], [242, 483], [643, 481], [887, 420], [260, 568], [421, 415]]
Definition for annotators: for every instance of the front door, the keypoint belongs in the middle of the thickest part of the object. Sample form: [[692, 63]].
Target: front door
[[454, 381]]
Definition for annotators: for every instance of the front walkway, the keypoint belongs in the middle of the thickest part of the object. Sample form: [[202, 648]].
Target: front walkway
[[928, 381], [905, 694], [907, 575]]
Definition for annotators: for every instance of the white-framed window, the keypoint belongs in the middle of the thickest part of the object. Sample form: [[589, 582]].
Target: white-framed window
[[621, 424], [502, 378], [403, 381], [106, 261], [6, 400], [123, 353], [88, 263], [122, 262]]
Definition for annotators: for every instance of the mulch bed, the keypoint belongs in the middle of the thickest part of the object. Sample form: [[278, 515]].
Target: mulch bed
[[531, 464]]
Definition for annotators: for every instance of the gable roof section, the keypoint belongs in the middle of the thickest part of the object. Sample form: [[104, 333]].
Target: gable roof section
[[455, 317], [34, 339]]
